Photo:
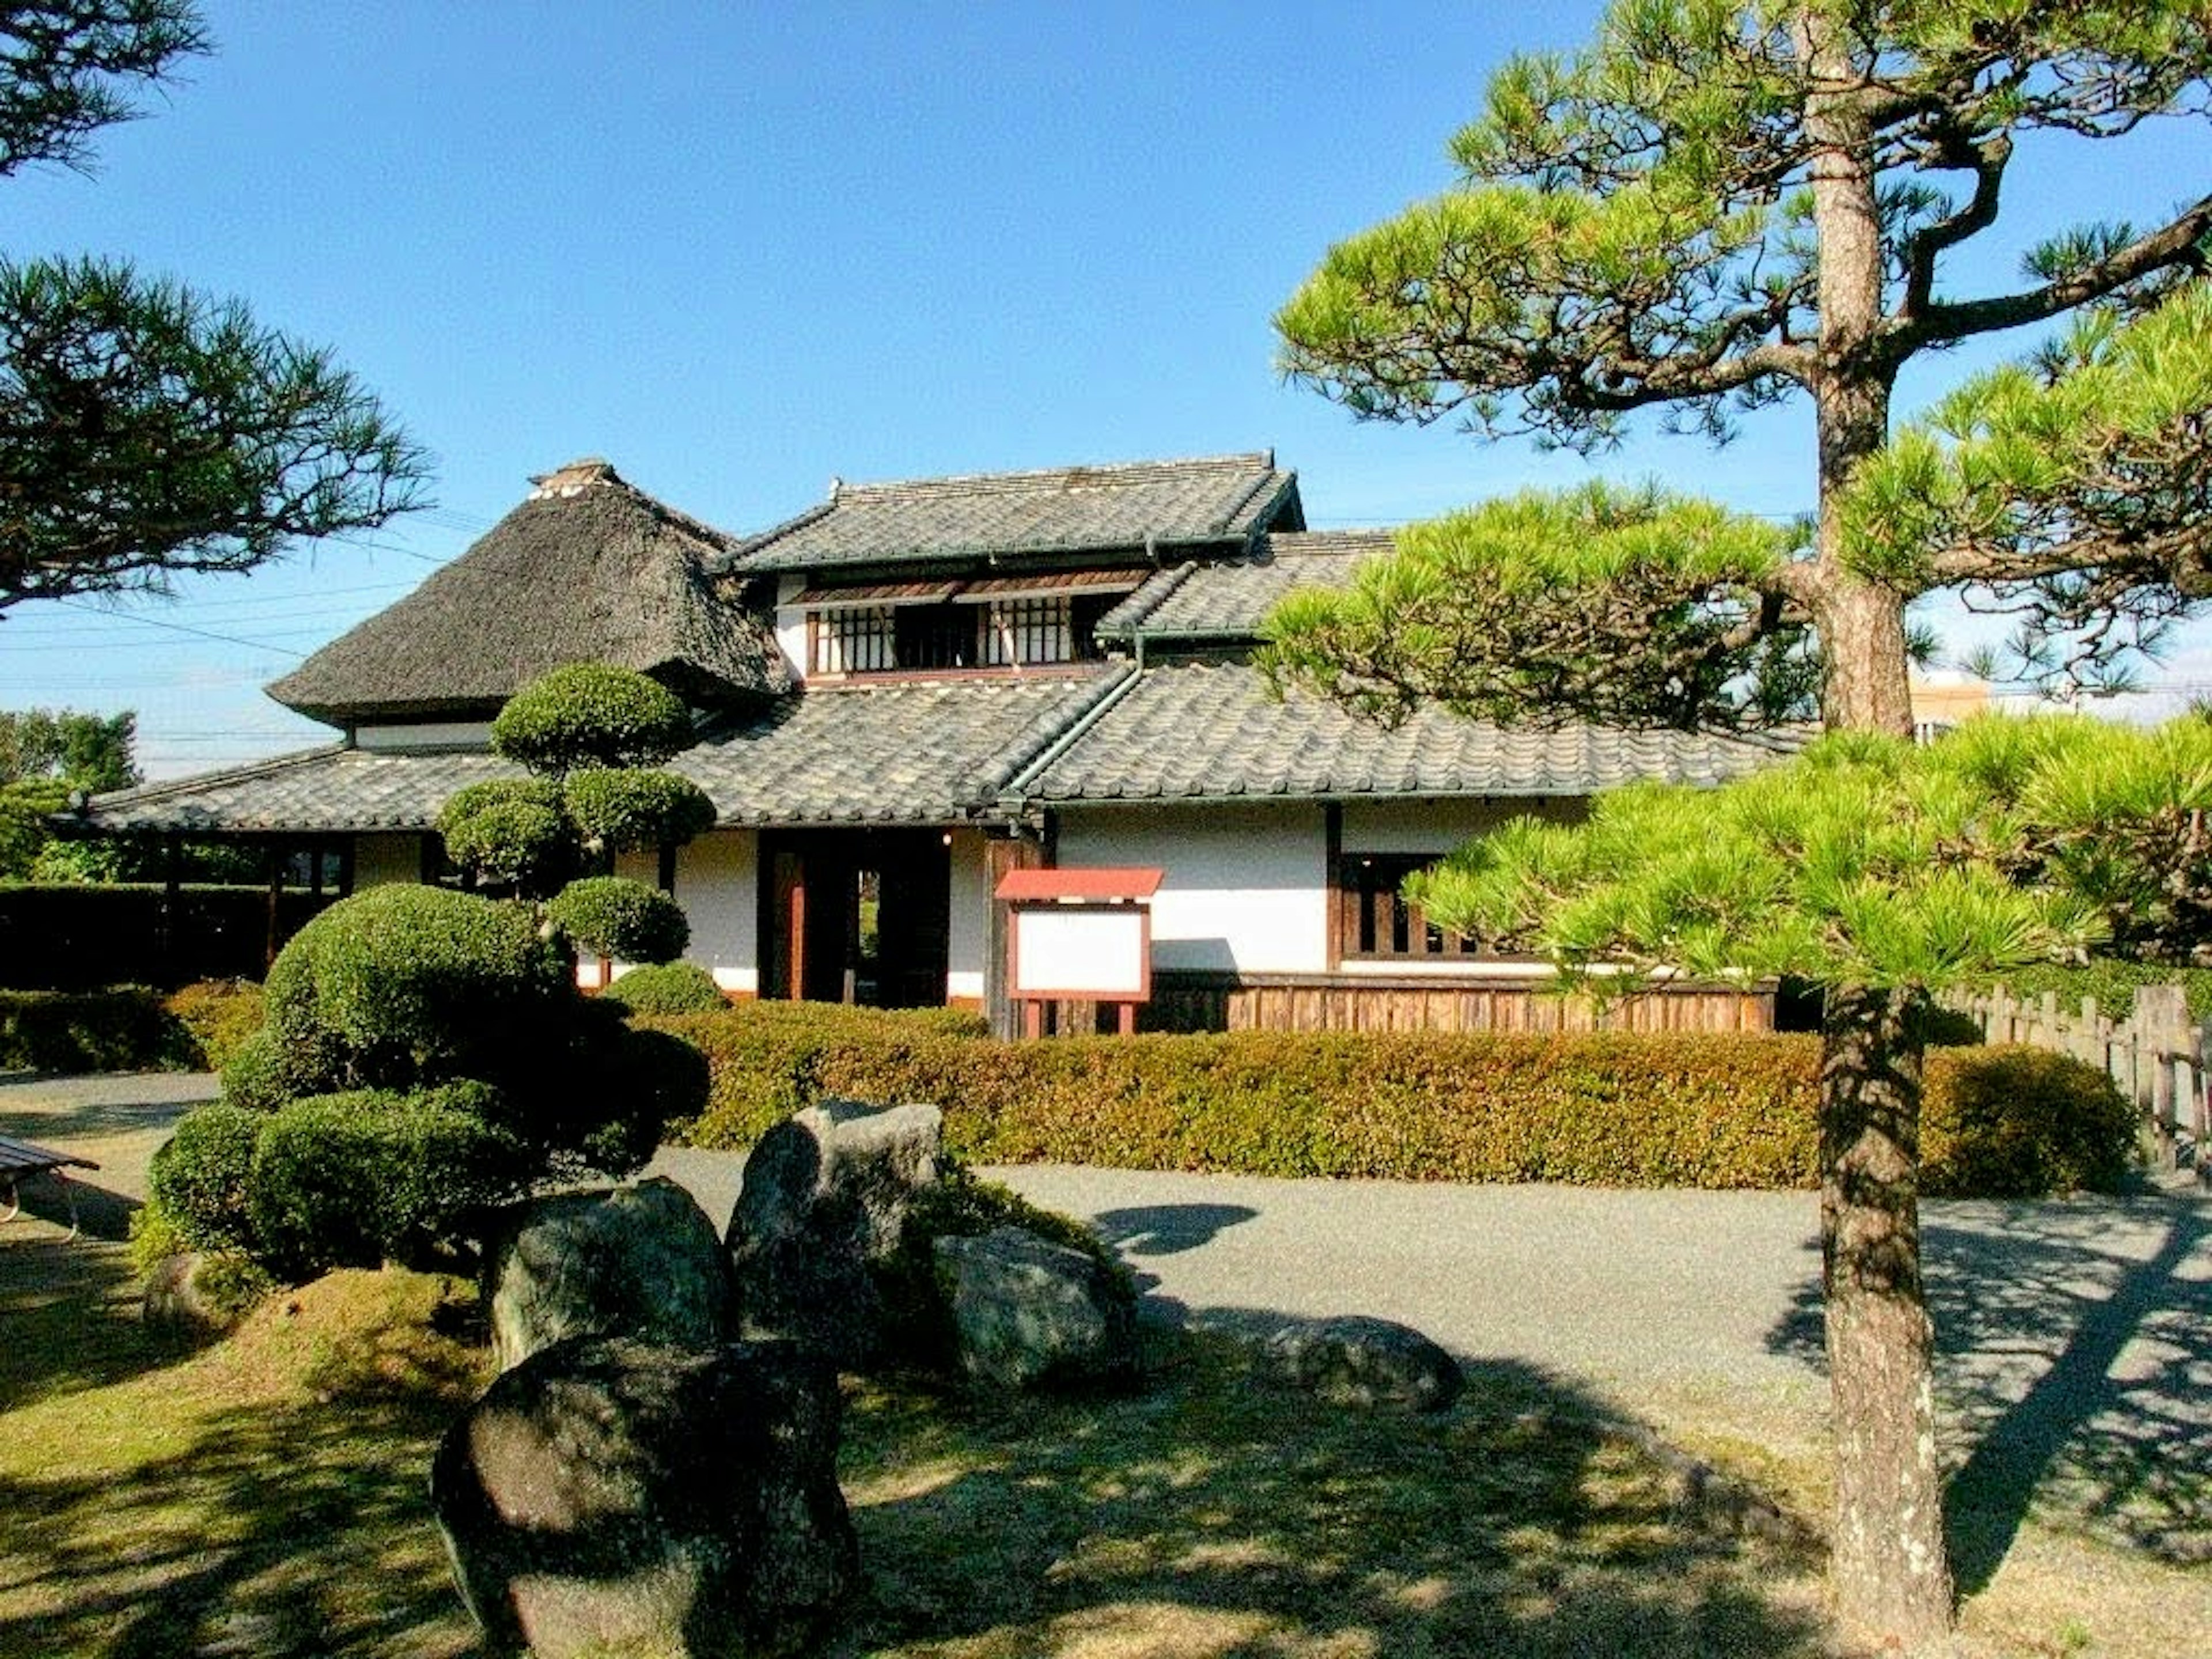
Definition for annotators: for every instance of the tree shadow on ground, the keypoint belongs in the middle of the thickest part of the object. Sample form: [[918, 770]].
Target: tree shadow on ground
[[1167, 1229], [292, 1524], [69, 1314], [2075, 1368], [1214, 1516]]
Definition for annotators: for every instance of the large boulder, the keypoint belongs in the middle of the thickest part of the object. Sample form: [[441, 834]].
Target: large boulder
[[1027, 1312], [1353, 1360], [640, 1261], [612, 1496], [825, 1200]]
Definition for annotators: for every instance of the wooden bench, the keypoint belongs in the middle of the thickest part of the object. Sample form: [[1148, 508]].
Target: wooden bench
[[20, 1159]]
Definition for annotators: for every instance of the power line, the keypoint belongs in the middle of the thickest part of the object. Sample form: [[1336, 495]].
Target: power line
[[181, 628]]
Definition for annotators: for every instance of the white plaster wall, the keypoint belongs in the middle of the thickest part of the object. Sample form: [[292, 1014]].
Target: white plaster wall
[[441, 734], [718, 882], [381, 861], [1438, 826], [970, 940], [1245, 887], [791, 625]]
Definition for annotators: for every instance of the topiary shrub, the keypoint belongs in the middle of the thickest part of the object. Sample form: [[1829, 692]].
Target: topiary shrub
[[667, 987], [219, 1015], [511, 832], [615, 809], [589, 714], [615, 916], [2019, 1122], [199, 1178], [417, 985], [356, 1179], [272, 1066]]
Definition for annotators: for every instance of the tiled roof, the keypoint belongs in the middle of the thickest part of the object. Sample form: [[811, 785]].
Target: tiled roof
[[915, 752], [1228, 599], [1062, 510], [1210, 731], [322, 790]]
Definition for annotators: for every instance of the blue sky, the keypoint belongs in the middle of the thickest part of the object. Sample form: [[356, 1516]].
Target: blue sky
[[740, 249]]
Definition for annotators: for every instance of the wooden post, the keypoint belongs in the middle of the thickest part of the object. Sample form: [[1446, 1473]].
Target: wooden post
[[1001, 856], [275, 870], [2162, 1014], [1332, 856]]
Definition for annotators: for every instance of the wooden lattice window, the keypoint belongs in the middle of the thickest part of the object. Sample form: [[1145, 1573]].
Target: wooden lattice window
[[1024, 631], [1377, 920], [856, 639]]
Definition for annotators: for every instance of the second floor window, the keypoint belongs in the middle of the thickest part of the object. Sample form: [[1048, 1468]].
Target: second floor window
[[1013, 632]]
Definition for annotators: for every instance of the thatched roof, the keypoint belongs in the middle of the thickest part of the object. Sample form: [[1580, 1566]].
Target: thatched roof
[[586, 569]]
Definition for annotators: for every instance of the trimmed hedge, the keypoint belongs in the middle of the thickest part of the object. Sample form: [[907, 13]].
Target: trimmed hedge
[[618, 808], [355, 1180], [418, 986], [1603, 1109], [667, 987], [615, 916], [122, 1029], [588, 714], [200, 1176]]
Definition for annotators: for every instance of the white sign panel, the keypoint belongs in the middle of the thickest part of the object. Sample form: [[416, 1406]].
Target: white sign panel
[[1067, 952]]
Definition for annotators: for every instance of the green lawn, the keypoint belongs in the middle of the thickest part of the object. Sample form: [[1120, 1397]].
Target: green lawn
[[266, 1496]]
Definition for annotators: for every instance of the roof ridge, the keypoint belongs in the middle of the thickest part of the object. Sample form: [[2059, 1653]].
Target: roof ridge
[[1263, 460]]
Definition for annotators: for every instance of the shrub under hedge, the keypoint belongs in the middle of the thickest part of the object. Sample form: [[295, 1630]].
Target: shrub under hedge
[[220, 1017], [667, 987], [1603, 1109], [124, 1028]]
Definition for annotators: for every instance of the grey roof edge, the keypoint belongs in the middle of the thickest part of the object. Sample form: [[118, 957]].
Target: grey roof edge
[[1013, 794], [1160, 585], [1261, 459], [744, 564], [739, 559], [1284, 492], [152, 794]]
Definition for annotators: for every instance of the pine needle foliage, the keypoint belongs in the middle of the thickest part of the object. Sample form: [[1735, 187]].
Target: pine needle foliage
[[1628, 606], [1864, 862]]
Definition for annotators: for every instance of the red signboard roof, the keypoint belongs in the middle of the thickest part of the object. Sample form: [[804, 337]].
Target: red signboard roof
[[1094, 884]]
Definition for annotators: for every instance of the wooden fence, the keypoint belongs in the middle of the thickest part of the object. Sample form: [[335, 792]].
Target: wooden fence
[[2156, 1057]]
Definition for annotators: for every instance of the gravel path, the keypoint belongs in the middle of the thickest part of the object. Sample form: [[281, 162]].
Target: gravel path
[[2075, 1337]]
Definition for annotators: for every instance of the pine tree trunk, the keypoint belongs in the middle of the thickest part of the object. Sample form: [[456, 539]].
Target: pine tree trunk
[[1891, 1577]]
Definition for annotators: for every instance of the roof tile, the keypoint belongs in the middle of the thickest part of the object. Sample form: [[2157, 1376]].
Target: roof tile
[[1215, 500], [1212, 731]]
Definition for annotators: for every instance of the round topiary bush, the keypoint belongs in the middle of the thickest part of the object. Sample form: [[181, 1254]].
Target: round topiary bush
[[668, 988], [512, 832], [591, 714], [272, 1066], [618, 808], [417, 985], [614, 916], [199, 1176], [354, 1180]]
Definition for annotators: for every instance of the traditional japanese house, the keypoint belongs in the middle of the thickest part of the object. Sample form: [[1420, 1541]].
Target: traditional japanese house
[[911, 689]]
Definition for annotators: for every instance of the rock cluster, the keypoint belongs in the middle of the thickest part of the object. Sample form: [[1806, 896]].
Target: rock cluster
[[654, 1470]]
